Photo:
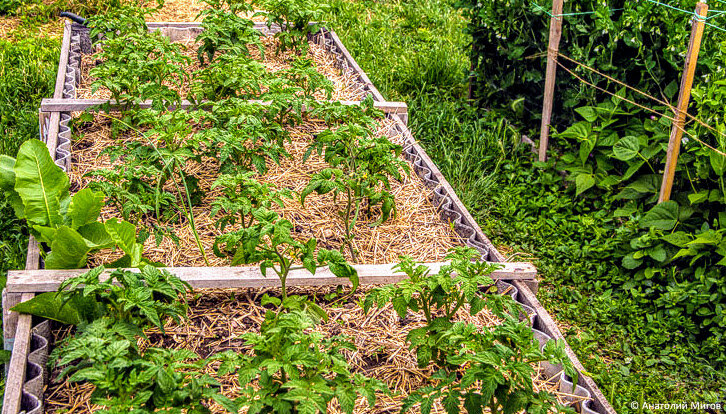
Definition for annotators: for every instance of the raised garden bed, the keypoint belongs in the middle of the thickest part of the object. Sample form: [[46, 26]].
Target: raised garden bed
[[431, 219], [217, 319]]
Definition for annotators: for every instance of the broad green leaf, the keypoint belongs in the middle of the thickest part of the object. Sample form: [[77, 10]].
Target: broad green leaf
[[631, 263], [96, 235], [626, 148], [41, 184], [85, 208], [626, 210], [718, 163], [50, 305], [663, 216], [583, 182], [123, 234], [45, 234], [586, 147], [587, 112], [7, 174], [699, 197], [678, 238], [67, 251], [658, 253]]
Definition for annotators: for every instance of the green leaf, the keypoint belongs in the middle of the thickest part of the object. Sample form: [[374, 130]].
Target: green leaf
[[400, 306], [583, 182], [85, 208], [50, 305], [346, 399], [41, 184], [626, 148], [699, 197], [679, 238], [658, 253], [67, 251], [629, 262], [451, 403], [587, 112], [123, 234], [166, 381], [96, 235], [663, 216], [718, 163], [472, 403], [7, 174]]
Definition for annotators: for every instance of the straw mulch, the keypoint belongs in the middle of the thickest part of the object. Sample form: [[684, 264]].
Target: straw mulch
[[346, 86], [218, 317], [186, 11], [417, 230]]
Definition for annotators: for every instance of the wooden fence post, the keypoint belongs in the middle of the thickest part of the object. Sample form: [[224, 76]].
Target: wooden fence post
[[552, 51], [684, 96]]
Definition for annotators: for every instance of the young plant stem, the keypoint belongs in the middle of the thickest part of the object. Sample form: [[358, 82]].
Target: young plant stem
[[189, 214], [348, 225]]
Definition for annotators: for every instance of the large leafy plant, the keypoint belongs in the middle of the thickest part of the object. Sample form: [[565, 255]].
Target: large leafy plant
[[226, 32], [151, 180], [361, 165], [68, 227], [229, 76], [439, 297], [141, 66], [111, 312], [269, 242], [293, 18], [479, 367], [242, 195], [242, 136], [136, 300], [292, 370], [119, 21]]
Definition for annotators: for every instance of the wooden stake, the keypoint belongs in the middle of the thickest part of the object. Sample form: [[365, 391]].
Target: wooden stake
[[552, 51], [684, 96]]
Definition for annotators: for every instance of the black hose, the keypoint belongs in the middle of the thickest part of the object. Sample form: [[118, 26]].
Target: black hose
[[76, 18]]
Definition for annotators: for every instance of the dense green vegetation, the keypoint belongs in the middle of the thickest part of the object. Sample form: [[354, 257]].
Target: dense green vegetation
[[636, 322]]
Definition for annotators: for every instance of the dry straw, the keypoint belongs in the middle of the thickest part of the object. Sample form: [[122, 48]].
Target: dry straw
[[417, 230], [218, 317]]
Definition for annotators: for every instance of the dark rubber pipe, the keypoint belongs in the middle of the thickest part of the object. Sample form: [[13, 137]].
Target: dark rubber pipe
[[76, 18]]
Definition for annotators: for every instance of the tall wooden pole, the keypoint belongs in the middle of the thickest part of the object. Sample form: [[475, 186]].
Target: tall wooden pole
[[552, 51], [684, 96]]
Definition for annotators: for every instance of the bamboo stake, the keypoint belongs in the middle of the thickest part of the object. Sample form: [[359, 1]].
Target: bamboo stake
[[552, 51], [684, 96]]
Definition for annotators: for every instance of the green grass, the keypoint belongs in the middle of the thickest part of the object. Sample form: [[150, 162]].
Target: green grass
[[27, 74]]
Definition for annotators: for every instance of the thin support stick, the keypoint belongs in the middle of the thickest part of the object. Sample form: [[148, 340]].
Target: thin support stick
[[552, 51], [684, 96]]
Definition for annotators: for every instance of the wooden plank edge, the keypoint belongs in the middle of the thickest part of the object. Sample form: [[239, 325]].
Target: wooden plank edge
[[36, 281], [60, 78], [18, 361], [69, 105]]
